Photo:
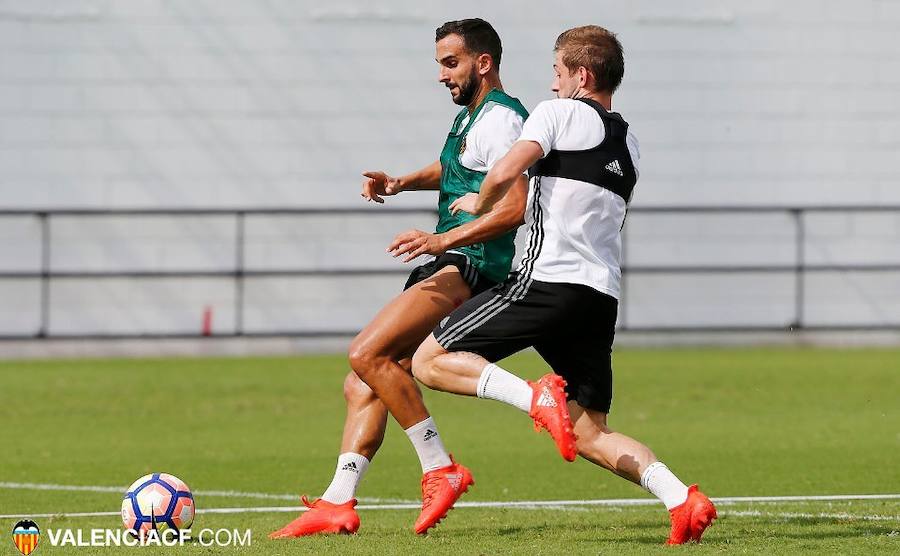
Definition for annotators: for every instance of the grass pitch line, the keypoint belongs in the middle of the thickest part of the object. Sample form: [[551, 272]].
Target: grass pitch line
[[800, 515], [221, 493], [557, 504], [398, 504]]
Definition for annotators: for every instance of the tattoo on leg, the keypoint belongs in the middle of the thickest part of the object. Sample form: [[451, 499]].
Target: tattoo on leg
[[469, 355]]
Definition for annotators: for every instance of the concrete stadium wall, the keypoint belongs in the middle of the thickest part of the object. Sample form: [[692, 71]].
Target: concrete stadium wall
[[273, 103]]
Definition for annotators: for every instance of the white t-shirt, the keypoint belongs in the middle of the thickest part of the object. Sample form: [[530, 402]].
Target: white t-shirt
[[573, 226], [495, 130]]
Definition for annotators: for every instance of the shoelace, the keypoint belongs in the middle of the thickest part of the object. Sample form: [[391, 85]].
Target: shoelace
[[430, 486], [306, 502]]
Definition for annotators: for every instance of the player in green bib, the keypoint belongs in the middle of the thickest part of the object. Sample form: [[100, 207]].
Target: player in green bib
[[470, 255], [491, 258]]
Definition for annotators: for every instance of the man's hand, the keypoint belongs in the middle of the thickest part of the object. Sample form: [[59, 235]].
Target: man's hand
[[413, 243], [377, 184], [466, 203]]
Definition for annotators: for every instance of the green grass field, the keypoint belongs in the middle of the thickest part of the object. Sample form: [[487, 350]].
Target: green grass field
[[751, 422]]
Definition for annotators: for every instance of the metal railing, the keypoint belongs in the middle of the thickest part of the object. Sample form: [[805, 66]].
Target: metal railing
[[239, 273], [800, 268]]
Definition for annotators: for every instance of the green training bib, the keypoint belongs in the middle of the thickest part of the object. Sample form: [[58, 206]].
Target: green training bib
[[492, 258]]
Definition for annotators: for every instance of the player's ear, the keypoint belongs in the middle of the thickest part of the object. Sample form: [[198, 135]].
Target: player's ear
[[485, 63], [582, 76]]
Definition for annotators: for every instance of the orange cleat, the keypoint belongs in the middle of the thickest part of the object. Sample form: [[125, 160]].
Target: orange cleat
[[691, 518], [549, 411], [322, 517], [441, 488]]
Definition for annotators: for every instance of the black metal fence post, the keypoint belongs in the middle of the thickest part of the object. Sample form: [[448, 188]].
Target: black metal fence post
[[240, 217], [44, 219], [799, 268]]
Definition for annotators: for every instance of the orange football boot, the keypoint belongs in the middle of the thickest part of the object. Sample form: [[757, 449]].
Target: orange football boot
[[322, 517], [441, 488], [691, 518], [549, 411]]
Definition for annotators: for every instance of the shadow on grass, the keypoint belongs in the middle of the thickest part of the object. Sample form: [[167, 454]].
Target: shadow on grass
[[726, 531]]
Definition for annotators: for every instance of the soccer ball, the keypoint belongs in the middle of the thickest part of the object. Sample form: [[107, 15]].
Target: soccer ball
[[158, 501]]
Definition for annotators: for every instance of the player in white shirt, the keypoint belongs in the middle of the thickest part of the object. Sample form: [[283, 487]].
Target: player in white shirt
[[563, 299]]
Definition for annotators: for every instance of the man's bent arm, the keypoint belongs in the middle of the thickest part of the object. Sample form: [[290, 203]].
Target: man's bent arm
[[501, 177], [508, 214]]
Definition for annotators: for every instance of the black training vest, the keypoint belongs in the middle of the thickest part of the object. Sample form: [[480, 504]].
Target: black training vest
[[608, 165]]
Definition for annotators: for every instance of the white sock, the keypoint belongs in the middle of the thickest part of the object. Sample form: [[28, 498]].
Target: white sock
[[663, 484], [503, 386], [350, 470], [428, 445]]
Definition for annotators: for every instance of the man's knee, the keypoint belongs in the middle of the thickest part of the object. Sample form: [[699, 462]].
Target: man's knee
[[423, 361], [422, 369], [356, 391], [362, 358]]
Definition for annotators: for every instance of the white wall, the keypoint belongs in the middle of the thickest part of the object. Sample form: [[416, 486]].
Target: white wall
[[222, 103]]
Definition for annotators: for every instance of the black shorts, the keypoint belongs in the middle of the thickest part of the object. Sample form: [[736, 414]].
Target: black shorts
[[571, 326], [476, 282]]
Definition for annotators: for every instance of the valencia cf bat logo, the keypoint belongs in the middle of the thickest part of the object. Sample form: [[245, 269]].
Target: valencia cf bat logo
[[26, 535]]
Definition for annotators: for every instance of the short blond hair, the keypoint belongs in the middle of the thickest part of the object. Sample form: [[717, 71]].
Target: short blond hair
[[597, 50]]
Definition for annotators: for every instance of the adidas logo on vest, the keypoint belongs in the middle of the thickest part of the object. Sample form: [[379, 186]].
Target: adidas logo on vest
[[615, 168]]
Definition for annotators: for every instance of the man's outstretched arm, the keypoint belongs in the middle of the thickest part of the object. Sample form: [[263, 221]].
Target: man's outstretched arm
[[377, 183]]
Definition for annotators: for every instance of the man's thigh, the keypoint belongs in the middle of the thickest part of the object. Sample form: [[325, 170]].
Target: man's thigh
[[580, 350], [402, 324], [500, 321]]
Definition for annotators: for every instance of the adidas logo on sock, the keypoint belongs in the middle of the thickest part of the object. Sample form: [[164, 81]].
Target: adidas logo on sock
[[546, 400], [429, 434], [455, 479], [350, 467], [615, 168]]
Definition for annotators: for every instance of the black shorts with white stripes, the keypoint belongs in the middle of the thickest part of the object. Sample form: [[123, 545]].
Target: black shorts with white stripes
[[570, 325], [476, 282]]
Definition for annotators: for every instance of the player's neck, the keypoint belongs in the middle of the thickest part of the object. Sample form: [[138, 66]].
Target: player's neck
[[605, 99], [488, 84]]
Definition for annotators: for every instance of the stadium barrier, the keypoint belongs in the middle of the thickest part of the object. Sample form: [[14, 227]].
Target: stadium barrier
[[799, 267]]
